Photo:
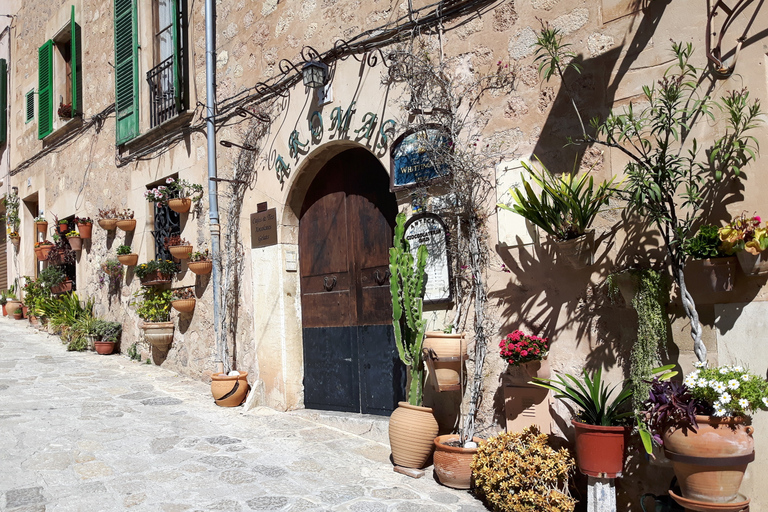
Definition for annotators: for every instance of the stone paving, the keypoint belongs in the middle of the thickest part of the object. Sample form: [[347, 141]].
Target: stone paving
[[83, 432]]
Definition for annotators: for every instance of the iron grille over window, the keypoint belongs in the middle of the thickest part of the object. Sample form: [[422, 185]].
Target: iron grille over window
[[166, 224], [166, 79]]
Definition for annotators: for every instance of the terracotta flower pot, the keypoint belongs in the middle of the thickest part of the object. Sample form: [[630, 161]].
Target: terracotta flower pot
[[127, 224], [75, 242], [753, 265], [180, 204], [721, 273], [600, 450], [537, 369], [18, 315], [159, 334], [200, 267], [108, 224], [446, 356], [412, 431], [15, 240], [5, 312], [579, 251], [710, 463], [129, 260], [66, 286], [155, 278], [63, 228], [453, 463], [11, 306], [42, 227], [183, 305], [44, 251], [229, 391], [181, 252], [104, 347], [85, 230]]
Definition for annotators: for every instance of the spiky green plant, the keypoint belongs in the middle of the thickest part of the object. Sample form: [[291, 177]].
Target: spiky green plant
[[407, 282]]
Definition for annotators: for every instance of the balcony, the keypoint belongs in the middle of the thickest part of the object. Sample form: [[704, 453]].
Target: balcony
[[162, 93]]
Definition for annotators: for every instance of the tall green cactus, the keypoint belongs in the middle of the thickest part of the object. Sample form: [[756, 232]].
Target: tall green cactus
[[407, 283]]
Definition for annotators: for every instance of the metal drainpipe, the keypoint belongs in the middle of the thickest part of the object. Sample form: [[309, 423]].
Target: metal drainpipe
[[213, 202]]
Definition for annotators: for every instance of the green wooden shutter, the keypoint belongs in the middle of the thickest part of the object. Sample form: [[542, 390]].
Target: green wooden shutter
[[45, 90], [126, 71], [3, 100], [176, 55], [73, 42]]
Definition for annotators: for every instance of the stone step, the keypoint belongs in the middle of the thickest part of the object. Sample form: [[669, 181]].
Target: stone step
[[369, 426]]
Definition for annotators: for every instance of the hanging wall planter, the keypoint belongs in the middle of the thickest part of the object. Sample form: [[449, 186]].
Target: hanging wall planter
[[15, 240], [129, 260], [126, 224], [445, 354], [43, 251], [64, 287], [180, 204], [200, 267], [108, 224], [75, 242], [158, 334], [85, 228], [183, 305], [181, 252], [41, 226]]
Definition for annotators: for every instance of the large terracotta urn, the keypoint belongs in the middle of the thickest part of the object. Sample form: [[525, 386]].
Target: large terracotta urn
[[710, 463], [412, 430], [229, 390]]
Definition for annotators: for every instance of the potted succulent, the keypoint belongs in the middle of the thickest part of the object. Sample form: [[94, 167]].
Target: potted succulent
[[527, 351], [125, 220], [744, 236], [84, 226], [565, 210], [43, 249], [178, 247], [106, 335], [703, 426], [716, 258], [108, 218], [200, 263], [126, 256], [154, 307], [156, 272], [177, 194], [41, 224], [183, 300], [75, 240], [412, 428], [601, 428]]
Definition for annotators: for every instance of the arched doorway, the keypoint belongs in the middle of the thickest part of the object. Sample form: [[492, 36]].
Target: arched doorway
[[345, 231]]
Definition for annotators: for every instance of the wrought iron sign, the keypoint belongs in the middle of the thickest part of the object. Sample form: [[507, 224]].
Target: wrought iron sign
[[340, 120]]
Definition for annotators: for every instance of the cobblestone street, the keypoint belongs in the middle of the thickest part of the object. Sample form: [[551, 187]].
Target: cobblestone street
[[83, 432]]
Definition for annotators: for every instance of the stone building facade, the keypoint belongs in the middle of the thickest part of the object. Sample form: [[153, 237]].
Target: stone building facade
[[125, 140]]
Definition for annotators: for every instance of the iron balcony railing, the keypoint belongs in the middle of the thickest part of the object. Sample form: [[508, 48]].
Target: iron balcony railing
[[162, 93]]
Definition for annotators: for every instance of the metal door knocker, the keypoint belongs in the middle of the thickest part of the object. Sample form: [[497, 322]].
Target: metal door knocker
[[329, 285]]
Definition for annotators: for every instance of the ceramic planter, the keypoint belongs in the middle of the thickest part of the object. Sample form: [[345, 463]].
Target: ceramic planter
[[229, 390], [710, 463], [445, 355], [721, 273], [129, 260], [75, 242], [753, 265], [600, 450], [104, 347], [200, 267], [85, 230], [126, 224], [159, 334], [453, 463], [412, 431], [155, 278], [42, 227], [579, 251], [108, 224], [183, 305], [181, 252], [180, 204]]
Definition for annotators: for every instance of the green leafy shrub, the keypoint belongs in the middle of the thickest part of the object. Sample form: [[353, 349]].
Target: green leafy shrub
[[706, 244], [124, 250], [163, 266], [154, 305], [520, 472], [105, 330]]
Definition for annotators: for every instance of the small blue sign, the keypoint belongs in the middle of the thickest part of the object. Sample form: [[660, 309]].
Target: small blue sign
[[413, 157]]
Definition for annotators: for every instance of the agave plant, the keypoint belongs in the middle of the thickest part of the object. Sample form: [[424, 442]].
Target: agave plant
[[592, 396], [567, 205]]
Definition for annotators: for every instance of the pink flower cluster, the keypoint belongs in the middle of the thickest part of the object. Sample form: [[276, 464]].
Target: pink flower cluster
[[158, 195], [518, 348]]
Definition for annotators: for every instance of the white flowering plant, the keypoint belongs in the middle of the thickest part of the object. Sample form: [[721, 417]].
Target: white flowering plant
[[728, 390], [173, 189]]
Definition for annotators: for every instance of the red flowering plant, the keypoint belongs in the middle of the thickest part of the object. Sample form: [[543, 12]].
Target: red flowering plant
[[520, 348]]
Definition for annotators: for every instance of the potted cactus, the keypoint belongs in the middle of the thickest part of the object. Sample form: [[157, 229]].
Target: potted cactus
[[412, 428]]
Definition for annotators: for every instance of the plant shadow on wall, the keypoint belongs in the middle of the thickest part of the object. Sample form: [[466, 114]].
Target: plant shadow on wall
[[232, 262]]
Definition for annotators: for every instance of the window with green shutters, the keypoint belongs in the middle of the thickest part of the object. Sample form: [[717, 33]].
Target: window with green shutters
[[126, 71], [45, 89], [3, 101]]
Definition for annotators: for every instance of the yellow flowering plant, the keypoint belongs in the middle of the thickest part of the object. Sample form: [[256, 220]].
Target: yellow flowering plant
[[745, 234]]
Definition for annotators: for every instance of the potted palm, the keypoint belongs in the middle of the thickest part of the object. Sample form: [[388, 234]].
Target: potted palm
[[126, 256], [154, 307], [748, 240], [200, 263], [703, 426], [178, 247], [600, 429], [718, 260], [565, 210], [412, 428]]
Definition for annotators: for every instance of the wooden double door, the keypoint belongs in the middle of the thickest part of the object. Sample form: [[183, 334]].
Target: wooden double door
[[345, 232]]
